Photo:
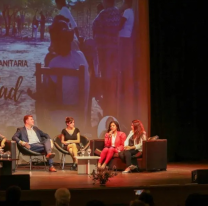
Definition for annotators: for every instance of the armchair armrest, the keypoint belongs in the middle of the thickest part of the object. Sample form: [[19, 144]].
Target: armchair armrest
[[11, 146], [96, 146], [154, 154]]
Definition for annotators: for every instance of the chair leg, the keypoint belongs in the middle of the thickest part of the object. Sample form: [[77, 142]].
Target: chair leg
[[30, 163], [17, 162], [44, 162], [63, 161]]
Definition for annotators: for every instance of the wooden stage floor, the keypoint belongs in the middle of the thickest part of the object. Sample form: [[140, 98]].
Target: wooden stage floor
[[176, 174]]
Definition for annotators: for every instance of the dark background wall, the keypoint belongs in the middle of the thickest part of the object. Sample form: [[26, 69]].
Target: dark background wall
[[178, 45]]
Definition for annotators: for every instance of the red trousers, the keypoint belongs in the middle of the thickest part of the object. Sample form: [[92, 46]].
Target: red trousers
[[107, 154]]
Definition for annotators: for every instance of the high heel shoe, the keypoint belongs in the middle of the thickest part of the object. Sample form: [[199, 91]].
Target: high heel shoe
[[127, 170]]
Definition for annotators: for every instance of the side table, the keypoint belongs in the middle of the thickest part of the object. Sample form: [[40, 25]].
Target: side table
[[86, 164]]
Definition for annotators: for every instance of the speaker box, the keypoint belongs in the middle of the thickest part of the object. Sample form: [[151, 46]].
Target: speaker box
[[23, 181], [200, 176]]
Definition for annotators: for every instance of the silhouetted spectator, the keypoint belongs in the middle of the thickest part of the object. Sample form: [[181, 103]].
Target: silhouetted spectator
[[147, 198], [13, 195], [137, 203], [196, 199], [95, 203], [62, 196]]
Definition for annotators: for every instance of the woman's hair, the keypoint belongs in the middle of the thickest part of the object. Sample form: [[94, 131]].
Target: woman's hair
[[61, 36], [69, 120], [108, 121], [117, 126], [138, 129]]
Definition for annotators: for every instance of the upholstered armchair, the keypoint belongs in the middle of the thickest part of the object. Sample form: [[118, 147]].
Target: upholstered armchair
[[152, 158], [11, 147]]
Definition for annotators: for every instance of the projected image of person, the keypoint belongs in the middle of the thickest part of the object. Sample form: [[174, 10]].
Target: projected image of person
[[35, 24], [34, 139], [61, 38], [42, 25], [114, 143], [105, 32], [133, 145], [71, 139], [126, 91], [64, 11]]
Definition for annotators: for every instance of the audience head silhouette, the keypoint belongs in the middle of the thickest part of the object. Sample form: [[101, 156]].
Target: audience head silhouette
[[196, 199], [147, 198], [95, 203], [62, 196], [137, 203], [13, 195]]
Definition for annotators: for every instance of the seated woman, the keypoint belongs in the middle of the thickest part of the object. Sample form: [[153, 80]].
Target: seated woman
[[133, 144], [114, 143], [2, 141], [71, 139]]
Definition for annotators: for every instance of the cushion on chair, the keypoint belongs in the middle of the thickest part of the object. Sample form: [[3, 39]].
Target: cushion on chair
[[97, 152], [153, 138], [59, 145]]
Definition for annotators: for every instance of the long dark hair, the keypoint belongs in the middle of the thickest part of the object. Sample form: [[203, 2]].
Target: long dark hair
[[117, 126], [138, 129]]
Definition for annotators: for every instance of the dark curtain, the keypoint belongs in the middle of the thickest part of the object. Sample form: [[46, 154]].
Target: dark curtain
[[178, 53]]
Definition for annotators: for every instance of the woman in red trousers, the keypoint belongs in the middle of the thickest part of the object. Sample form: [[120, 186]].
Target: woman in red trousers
[[114, 143]]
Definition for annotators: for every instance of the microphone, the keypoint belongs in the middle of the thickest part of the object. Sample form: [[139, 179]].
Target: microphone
[[110, 133]]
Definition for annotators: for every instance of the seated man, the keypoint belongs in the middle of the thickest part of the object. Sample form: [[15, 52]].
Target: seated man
[[34, 139], [2, 141]]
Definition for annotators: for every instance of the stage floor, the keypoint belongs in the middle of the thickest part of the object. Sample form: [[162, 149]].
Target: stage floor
[[176, 174]]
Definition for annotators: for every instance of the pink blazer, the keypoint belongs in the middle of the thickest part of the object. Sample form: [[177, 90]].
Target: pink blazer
[[119, 142]]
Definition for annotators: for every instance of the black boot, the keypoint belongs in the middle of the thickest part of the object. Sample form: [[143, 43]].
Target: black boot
[[74, 166]]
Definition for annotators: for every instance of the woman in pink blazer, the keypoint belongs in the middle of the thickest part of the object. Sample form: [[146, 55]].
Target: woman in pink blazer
[[114, 143]]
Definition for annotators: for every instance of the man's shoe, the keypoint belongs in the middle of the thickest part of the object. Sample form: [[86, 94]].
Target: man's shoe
[[50, 155], [52, 169]]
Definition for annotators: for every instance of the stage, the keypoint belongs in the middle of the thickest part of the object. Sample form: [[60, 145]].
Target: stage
[[176, 174], [169, 187]]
